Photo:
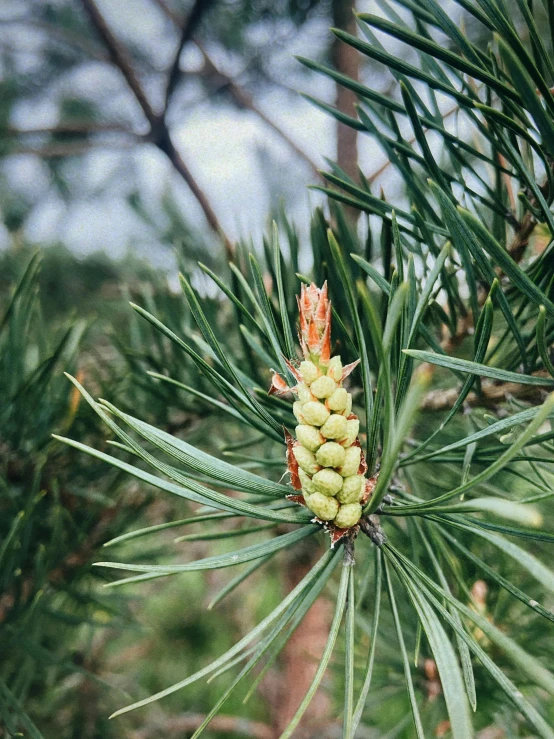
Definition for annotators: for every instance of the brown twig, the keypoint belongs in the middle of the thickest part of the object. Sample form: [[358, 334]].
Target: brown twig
[[521, 237], [119, 57], [191, 24], [241, 97], [159, 134]]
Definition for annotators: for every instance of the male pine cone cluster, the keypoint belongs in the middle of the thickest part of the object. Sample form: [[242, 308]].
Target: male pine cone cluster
[[327, 452], [325, 460]]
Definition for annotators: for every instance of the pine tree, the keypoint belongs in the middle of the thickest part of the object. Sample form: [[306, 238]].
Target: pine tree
[[447, 306]]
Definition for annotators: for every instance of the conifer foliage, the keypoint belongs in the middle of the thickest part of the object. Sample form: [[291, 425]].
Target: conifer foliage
[[448, 307]]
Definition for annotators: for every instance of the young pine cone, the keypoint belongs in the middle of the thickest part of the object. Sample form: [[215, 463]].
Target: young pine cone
[[325, 460]]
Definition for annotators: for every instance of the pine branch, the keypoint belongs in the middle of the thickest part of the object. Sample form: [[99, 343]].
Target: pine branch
[[241, 97], [189, 27], [159, 133]]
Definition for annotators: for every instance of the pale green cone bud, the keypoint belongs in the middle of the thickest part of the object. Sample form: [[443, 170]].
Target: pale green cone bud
[[330, 454], [327, 481], [335, 427], [309, 437], [297, 410], [352, 459], [348, 410], [323, 507], [323, 387], [306, 460], [348, 515], [351, 431], [306, 481], [338, 400], [314, 413], [352, 489], [304, 394], [309, 372], [334, 370]]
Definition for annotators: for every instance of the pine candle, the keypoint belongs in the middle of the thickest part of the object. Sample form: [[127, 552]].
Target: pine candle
[[325, 459]]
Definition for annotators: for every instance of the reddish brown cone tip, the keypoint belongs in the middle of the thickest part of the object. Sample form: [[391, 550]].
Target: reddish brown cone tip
[[297, 499], [278, 385], [292, 464], [295, 373], [348, 369], [314, 308], [369, 488], [337, 534], [362, 469]]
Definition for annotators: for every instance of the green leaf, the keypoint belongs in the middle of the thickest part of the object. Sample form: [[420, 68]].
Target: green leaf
[[234, 477], [501, 258], [191, 490], [230, 559], [405, 661], [437, 51], [528, 91], [349, 659], [494, 429], [515, 695], [364, 691], [402, 427], [396, 63], [287, 329], [528, 664], [464, 240], [358, 331], [522, 513], [237, 580], [464, 365], [448, 668], [502, 581], [463, 649], [271, 426], [546, 409]]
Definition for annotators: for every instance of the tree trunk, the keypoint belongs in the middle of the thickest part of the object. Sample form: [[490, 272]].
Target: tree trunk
[[346, 60]]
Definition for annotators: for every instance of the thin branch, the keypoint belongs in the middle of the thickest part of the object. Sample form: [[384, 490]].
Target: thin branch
[[159, 133], [191, 24], [240, 96], [169, 12], [165, 144], [521, 237], [119, 57]]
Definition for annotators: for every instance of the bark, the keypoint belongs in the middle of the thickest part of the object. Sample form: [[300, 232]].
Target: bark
[[285, 690], [346, 60]]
